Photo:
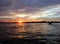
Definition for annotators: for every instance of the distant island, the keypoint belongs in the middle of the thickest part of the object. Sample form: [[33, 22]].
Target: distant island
[[50, 22]]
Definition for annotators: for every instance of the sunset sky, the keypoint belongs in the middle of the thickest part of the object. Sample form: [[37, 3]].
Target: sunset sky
[[15, 10]]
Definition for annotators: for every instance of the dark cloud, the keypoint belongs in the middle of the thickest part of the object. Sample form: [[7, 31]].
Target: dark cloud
[[30, 5], [18, 4], [33, 5], [38, 3], [5, 5]]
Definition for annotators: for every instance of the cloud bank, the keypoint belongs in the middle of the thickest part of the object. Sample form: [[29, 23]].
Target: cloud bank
[[29, 9]]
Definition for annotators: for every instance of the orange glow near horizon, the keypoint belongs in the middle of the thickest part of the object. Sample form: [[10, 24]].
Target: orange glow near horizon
[[20, 22]]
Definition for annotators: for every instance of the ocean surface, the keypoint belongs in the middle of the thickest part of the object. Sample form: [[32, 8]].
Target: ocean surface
[[31, 31]]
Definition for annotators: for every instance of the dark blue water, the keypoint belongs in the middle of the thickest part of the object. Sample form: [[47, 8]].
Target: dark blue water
[[31, 31]]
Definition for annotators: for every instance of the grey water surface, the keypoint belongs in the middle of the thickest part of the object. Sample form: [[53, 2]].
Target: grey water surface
[[31, 31]]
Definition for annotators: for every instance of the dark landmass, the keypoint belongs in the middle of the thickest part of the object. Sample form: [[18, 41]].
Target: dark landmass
[[35, 22], [49, 22]]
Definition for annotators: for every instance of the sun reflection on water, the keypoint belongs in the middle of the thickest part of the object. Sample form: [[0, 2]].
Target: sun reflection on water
[[21, 26]]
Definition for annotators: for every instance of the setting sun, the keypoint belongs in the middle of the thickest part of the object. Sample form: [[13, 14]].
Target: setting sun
[[20, 21]]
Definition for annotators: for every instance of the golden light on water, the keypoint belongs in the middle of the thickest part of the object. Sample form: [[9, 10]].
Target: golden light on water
[[21, 25]]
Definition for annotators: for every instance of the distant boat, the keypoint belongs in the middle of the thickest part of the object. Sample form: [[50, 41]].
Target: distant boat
[[50, 23]]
